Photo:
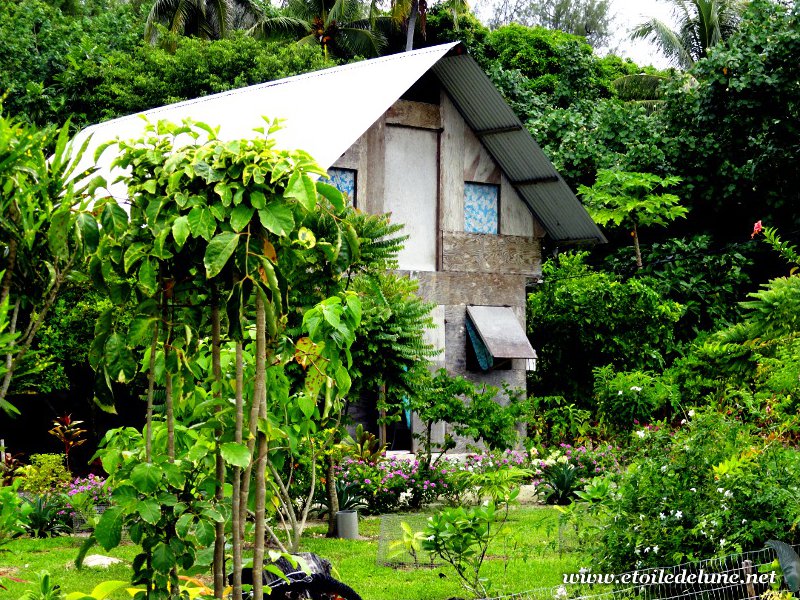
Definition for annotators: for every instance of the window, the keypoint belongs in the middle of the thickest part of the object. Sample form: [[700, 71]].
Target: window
[[494, 338], [343, 180], [481, 207]]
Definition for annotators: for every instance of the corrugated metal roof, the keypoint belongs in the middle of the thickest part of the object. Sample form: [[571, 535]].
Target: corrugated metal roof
[[528, 169], [326, 111]]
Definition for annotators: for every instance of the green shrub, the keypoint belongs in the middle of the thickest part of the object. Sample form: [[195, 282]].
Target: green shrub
[[709, 488], [45, 475], [626, 398]]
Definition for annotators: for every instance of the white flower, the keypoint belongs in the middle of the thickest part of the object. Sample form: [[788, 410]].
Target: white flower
[[693, 490], [662, 516], [637, 552], [683, 421], [430, 538], [636, 388], [678, 515], [728, 494], [744, 521], [655, 549], [641, 517], [640, 433], [722, 543], [619, 393], [721, 490], [646, 550], [691, 413], [561, 593], [664, 469]]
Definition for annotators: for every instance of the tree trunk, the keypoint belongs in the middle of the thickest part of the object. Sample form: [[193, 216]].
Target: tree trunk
[[170, 413], [237, 517], [333, 497], [151, 382], [636, 247], [260, 401], [412, 25], [219, 464]]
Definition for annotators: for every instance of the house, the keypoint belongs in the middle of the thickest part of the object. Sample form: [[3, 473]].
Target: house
[[426, 136]]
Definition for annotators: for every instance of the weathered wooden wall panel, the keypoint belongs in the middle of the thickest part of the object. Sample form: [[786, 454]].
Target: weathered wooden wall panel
[[414, 114], [411, 193], [451, 160], [479, 166], [488, 289], [375, 186], [482, 253], [515, 216]]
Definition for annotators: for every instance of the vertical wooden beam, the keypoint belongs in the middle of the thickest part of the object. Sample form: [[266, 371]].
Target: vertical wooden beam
[[375, 186], [451, 166]]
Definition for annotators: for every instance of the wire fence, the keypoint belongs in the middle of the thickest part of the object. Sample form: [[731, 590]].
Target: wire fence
[[395, 547], [733, 577]]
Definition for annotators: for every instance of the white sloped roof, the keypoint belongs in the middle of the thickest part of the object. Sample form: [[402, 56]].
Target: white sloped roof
[[326, 111]]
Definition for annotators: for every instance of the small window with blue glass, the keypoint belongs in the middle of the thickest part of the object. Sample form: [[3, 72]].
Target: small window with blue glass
[[481, 203], [343, 180]]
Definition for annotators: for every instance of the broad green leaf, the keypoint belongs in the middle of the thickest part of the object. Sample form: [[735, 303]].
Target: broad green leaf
[[109, 528], [205, 533], [163, 558], [149, 186], [147, 277], [145, 477], [257, 199], [106, 588], [334, 196], [119, 361], [149, 510], [218, 252], [301, 187], [114, 219], [240, 217], [133, 255], [235, 454], [140, 331], [202, 222], [277, 218], [181, 231], [306, 404], [88, 231], [58, 233]]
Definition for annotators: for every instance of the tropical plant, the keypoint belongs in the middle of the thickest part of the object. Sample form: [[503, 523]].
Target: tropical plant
[[44, 233], [340, 27], [701, 25], [47, 516], [44, 475], [44, 589], [13, 513], [101, 591], [68, 432], [629, 199], [461, 537], [206, 19], [625, 398]]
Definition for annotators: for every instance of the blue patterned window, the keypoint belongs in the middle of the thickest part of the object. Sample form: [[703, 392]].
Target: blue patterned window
[[480, 207], [343, 180]]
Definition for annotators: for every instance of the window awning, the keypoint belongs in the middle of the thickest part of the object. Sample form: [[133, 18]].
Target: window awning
[[496, 335]]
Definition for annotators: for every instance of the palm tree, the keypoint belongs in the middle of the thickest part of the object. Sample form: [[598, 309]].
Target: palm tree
[[701, 25], [408, 11], [339, 26], [206, 19]]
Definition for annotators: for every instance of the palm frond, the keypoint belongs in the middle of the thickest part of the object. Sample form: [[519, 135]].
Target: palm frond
[[268, 27], [360, 41], [668, 42]]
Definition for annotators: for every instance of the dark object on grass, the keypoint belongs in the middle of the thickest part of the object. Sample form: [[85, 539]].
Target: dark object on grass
[[316, 585]]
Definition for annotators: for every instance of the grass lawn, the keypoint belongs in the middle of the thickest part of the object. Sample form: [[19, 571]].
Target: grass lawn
[[524, 556]]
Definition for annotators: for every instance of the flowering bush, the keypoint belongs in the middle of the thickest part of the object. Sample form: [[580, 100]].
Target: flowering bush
[[392, 484], [711, 487], [84, 495], [565, 469], [627, 396]]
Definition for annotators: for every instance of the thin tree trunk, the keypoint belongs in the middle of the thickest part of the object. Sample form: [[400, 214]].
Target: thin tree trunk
[[170, 416], [636, 247], [333, 497], [412, 25], [219, 496], [237, 517], [11, 263], [10, 355], [260, 400], [151, 382]]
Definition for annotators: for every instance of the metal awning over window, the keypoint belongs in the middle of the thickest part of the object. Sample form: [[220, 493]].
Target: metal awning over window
[[496, 336]]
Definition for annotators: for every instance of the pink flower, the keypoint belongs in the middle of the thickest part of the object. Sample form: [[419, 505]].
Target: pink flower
[[757, 227]]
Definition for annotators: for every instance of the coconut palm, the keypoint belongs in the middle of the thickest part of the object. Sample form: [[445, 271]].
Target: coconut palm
[[206, 19], [408, 12], [341, 27], [701, 25]]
